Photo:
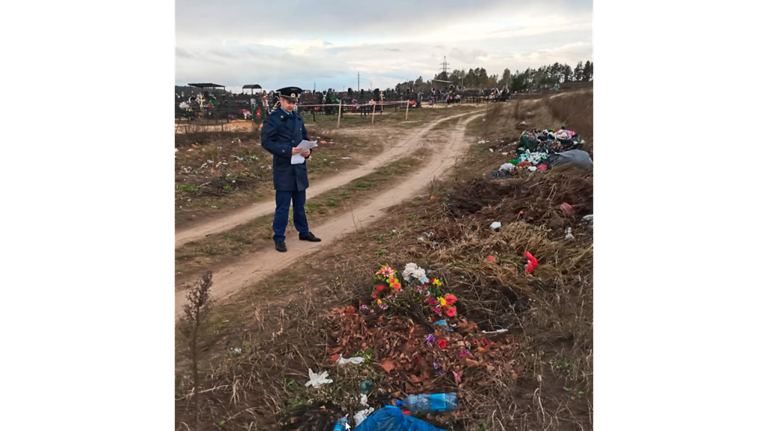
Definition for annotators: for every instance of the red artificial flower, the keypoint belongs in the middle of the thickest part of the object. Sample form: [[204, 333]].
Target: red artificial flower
[[380, 288], [432, 301], [442, 343], [396, 286], [451, 311], [450, 298], [491, 259], [532, 263]]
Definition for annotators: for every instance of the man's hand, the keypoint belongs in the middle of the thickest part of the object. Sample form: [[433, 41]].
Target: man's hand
[[295, 150], [306, 154]]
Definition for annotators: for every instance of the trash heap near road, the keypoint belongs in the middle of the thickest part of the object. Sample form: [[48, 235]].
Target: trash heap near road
[[539, 150]]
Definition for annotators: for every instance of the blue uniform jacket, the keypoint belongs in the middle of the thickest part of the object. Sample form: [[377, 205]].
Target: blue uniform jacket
[[279, 135]]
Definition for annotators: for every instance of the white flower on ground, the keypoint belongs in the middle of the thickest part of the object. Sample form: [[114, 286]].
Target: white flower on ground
[[413, 272]]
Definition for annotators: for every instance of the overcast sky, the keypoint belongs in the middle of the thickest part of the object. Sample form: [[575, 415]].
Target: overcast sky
[[297, 42]]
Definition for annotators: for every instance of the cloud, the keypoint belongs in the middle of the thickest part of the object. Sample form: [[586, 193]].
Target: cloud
[[303, 43]]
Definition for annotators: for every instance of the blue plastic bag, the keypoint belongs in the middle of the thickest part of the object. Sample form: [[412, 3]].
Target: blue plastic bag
[[390, 418]]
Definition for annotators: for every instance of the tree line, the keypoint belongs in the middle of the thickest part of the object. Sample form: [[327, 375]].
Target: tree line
[[527, 80]]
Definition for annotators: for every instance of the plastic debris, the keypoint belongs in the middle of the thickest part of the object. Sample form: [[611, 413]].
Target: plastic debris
[[354, 360], [365, 387], [430, 402], [317, 380], [342, 424], [588, 218], [569, 234], [498, 331], [237, 351], [567, 208], [532, 168], [444, 323], [495, 225], [391, 418], [507, 167], [361, 415], [490, 149]]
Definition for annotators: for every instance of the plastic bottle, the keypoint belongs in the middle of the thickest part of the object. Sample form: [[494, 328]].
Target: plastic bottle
[[430, 402]]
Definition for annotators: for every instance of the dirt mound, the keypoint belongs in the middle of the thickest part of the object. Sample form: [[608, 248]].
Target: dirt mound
[[539, 196]]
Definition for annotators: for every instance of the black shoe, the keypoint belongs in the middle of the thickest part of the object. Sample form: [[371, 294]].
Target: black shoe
[[309, 237], [280, 246]]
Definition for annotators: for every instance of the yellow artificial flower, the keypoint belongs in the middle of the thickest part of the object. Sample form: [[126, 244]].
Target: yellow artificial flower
[[438, 283], [378, 301], [442, 301]]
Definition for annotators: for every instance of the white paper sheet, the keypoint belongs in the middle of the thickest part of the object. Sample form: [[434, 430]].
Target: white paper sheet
[[297, 159]]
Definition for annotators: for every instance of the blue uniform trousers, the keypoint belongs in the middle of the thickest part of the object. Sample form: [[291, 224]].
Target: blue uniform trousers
[[283, 200]]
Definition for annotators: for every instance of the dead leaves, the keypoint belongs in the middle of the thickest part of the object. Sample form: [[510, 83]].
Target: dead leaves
[[412, 366], [387, 365]]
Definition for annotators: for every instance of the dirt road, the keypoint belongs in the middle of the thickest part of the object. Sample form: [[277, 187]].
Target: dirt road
[[256, 266], [397, 150]]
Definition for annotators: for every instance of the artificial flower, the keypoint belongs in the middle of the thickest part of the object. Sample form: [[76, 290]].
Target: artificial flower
[[396, 286], [392, 280], [383, 306], [458, 378], [490, 258], [442, 343], [363, 307], [431, 301], [451, 311], [437, 311], [379, 288], [437, 282], [431, 340], [450, 298], [441, 301], [378, 301], [532, 263]]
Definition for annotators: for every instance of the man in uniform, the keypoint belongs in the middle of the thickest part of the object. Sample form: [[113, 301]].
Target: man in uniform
[[283, 130]]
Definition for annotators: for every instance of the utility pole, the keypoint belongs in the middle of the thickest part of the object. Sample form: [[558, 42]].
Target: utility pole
[[358, 82]]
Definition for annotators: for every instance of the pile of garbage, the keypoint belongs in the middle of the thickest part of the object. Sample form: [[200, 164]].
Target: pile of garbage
[[540, 150], [422, 345], [550, 141]]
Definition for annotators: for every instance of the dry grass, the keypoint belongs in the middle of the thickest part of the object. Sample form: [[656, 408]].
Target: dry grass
[[279, 323]]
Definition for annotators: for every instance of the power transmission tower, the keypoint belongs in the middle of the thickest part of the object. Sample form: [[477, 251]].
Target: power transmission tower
[[445, 67]]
